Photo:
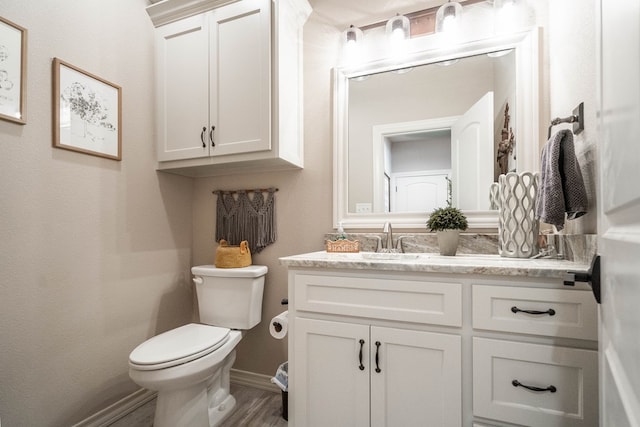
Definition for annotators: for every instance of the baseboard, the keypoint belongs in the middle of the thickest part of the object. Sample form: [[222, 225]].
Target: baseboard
[[121, 408], [251, 379]]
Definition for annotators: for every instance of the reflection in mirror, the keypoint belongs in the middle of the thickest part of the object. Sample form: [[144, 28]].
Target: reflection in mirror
[[429, 134], [411, 133]]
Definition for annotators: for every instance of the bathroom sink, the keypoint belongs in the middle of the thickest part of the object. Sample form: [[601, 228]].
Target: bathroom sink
[[390, 255]]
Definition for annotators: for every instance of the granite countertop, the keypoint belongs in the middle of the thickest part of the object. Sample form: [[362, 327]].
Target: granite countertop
[[485, 264]]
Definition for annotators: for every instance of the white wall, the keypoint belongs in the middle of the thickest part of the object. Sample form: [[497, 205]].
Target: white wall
[[94, 253]]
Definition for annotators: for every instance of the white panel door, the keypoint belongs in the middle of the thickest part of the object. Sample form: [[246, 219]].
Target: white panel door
[[182, 86], [241, 77], [418, 191], [331, 382], [472, 156], [619, 216], [416, 378]]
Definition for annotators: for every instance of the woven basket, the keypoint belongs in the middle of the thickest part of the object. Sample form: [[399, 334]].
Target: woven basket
[[343, 245]]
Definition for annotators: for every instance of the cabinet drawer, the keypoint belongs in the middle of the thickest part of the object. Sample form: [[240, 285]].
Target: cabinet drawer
[[498, 308], [438, 303], [497, 365]]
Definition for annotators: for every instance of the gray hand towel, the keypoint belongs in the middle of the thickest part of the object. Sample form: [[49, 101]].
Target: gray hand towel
[[561, 185]]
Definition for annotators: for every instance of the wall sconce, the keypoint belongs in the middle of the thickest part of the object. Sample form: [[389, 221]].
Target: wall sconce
[[398, 28], [448, 17]]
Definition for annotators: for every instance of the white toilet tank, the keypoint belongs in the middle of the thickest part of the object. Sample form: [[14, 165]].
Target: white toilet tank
[[230, 297]]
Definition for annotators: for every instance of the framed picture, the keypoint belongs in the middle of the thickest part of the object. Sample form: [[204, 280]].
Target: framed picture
[[13, 72], [87, 112]]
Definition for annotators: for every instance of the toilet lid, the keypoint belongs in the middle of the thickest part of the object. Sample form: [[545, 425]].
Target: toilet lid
[[178, 346]]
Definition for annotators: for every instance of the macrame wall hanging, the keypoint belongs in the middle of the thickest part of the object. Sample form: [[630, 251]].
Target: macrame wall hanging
[[241, 217]]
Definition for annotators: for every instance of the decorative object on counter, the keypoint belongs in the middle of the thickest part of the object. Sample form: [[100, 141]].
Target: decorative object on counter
[[506, 144], [228, 256], [87, 112], [13, 72], [239, 217], [447, 223], [517, 225], [494, 192], [562, 188], [342, 245]]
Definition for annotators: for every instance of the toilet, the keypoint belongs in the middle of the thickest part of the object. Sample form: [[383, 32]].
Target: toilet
[[190, 366]]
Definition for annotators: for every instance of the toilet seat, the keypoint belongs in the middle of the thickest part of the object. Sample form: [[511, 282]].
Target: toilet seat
[[178, 346]]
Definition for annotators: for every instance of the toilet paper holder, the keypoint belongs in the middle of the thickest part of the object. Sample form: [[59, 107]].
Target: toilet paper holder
[[277, 326]]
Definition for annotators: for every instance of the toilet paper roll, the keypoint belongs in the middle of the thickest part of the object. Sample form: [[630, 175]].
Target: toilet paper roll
[[279, 325]]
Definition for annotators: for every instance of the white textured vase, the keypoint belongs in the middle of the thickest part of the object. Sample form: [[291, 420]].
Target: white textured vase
[[517, 226], [448, 241]]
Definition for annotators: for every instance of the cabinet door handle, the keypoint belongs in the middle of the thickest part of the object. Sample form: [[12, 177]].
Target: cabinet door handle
[[213, 144], [360, 355], [378, 370], [550, 312], [517, 383], [204, 129]]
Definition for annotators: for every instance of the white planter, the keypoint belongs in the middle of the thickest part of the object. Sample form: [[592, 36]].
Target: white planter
[[448, 241]]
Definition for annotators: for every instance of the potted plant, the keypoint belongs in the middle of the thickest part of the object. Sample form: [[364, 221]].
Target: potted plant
[[447, 223]]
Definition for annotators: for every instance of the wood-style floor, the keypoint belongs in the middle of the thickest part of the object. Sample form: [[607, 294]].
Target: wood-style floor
[[254, 408]]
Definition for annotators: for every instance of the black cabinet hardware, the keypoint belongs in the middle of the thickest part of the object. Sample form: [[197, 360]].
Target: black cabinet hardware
[[517, 383], [550, 312], [378, 370], [213, 144], [360, 355], [204, 129]]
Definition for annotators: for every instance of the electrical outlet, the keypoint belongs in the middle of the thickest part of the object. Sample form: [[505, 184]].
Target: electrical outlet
[[363, 207]]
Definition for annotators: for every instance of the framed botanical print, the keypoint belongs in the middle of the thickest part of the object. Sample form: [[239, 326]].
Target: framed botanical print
[[87, 112], [13, 72]]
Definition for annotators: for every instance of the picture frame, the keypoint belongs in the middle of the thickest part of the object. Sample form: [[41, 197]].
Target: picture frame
[[13, 72], [87, 112]]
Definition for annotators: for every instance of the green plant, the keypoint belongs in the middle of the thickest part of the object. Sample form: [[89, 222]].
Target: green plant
[[448, 218]]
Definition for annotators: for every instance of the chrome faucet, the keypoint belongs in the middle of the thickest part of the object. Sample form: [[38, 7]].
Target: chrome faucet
[[389, 232]]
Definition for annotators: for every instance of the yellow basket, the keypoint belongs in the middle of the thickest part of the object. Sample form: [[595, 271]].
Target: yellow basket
[[343, 245]]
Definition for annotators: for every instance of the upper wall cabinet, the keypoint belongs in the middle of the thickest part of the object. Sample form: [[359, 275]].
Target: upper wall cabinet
[[226, 72]]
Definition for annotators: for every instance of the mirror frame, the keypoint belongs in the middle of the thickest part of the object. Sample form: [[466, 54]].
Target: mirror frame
[[526, 133]]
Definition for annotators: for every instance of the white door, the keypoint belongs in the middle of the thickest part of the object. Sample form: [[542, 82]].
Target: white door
[[619, 216], [418, 191], [472, 157], [416, 378], [331, 383], [241, 77]]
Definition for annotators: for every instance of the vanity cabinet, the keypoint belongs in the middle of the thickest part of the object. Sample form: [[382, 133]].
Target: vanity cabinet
[[220, 85], [365, 375], [452, 348]]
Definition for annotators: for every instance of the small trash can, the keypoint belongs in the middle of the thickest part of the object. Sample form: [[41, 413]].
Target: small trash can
[[282, 380]]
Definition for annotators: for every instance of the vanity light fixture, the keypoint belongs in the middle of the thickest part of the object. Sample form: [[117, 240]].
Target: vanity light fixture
[[352, 36], [398, 28], [448, 17]]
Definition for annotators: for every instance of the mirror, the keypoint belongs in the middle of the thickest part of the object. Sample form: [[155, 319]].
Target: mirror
[[410, 135]]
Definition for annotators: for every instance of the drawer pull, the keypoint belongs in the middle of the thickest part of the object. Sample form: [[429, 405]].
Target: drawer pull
[[517, 383], [378, 370], [213, 144], [360, 355], [550, 312]]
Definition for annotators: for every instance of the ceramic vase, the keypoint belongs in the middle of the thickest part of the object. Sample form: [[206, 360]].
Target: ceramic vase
[[517, 226], [448, 241]]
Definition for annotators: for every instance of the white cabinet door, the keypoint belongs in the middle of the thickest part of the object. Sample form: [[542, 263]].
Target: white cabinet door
[[214, 82], [182, 112], [330, 387], [416, 378], [240, 73]]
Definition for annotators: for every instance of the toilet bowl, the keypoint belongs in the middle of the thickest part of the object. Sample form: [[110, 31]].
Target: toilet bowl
[[190, 366]]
